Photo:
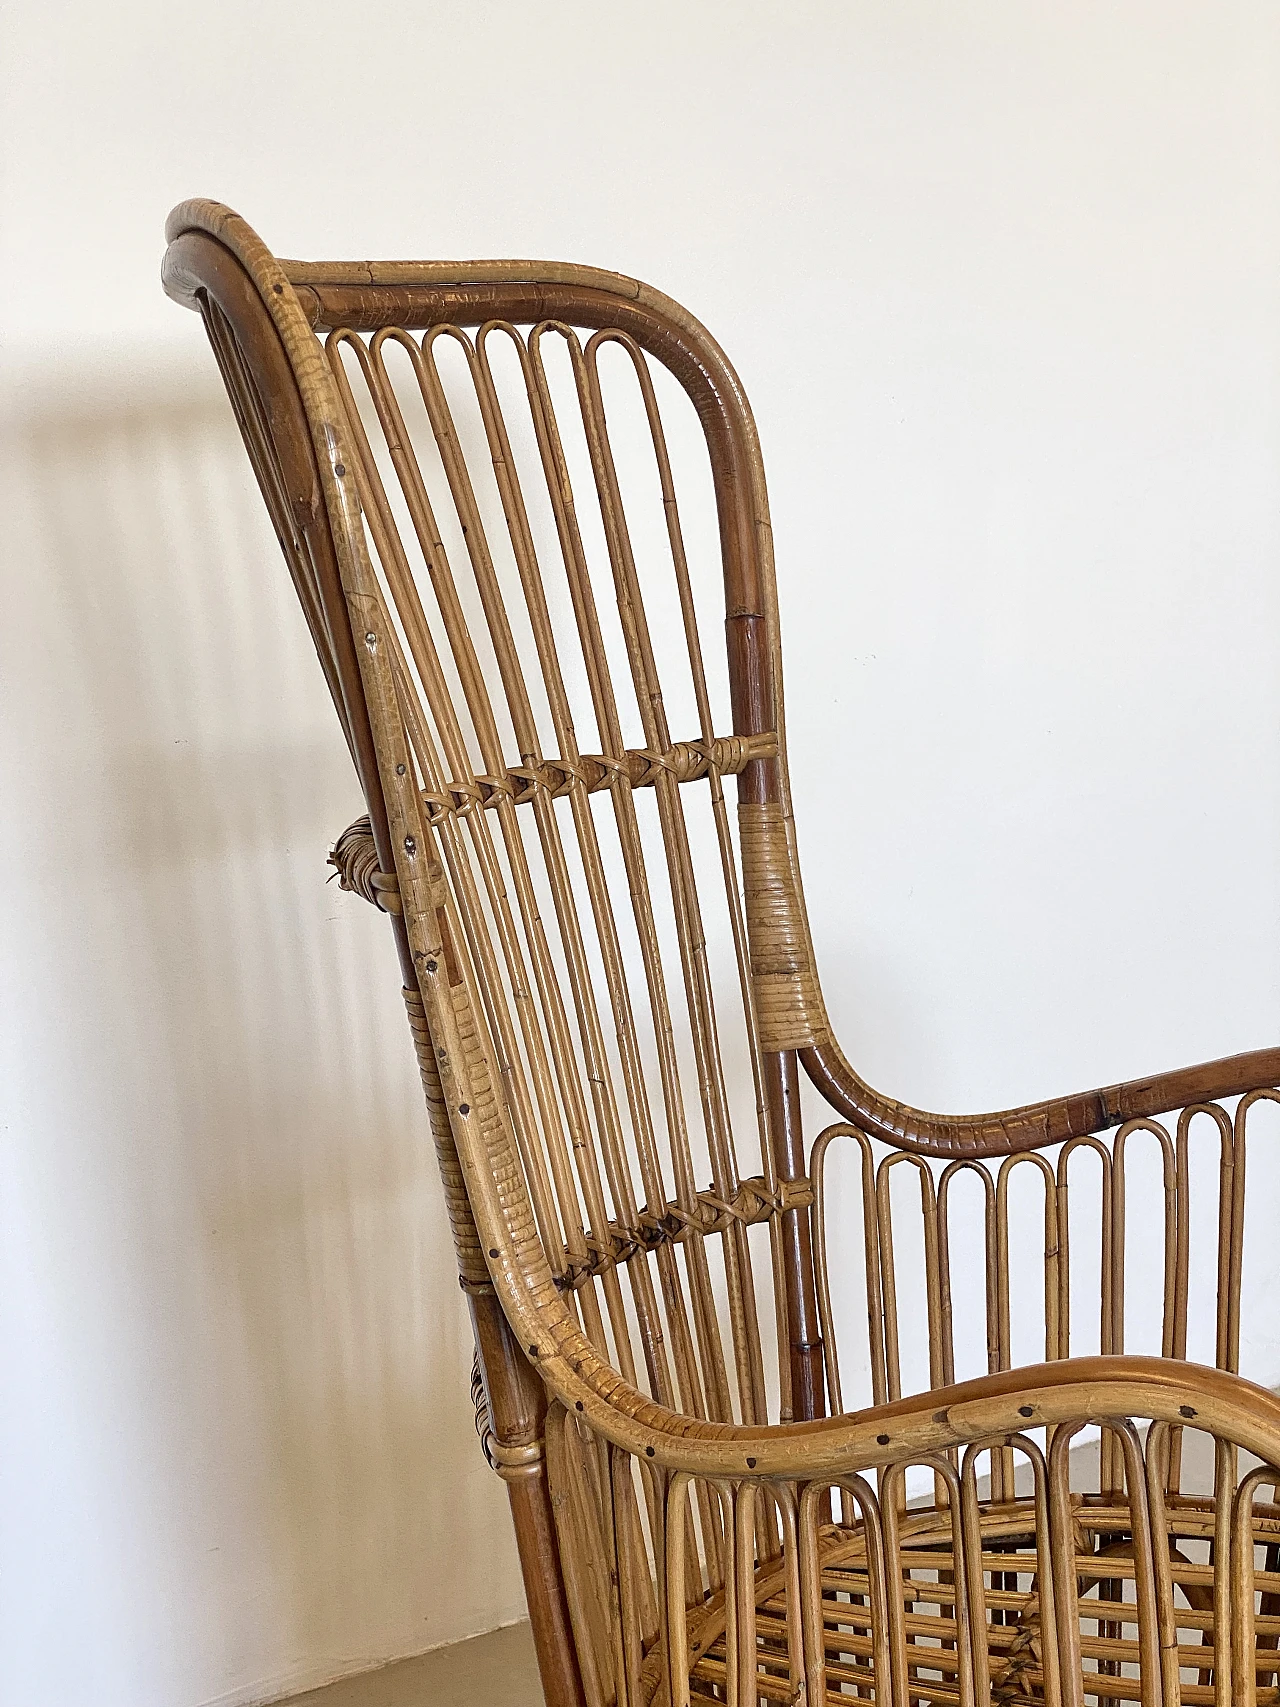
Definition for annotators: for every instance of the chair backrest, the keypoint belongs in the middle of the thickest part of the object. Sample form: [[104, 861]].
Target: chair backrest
[[512, 497]]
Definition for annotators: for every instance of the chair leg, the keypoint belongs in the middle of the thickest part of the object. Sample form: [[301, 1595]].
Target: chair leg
[[517, 1405], [782, 1086], [517, 1449]]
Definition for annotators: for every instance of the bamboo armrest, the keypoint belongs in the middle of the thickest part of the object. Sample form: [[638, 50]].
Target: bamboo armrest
[[1034, 1125], [1076, 1391]]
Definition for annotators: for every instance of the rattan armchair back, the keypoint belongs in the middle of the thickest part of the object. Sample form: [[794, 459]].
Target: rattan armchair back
[[612, 990]]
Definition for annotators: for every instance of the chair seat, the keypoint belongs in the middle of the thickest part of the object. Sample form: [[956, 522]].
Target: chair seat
[[1015, 1638]]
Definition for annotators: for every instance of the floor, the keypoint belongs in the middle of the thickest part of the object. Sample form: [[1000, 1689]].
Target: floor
[[497, 1670]]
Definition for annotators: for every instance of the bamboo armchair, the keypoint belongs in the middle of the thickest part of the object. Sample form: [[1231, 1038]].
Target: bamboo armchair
[[612, 993]]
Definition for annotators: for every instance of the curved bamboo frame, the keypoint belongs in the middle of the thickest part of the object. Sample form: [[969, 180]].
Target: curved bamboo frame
[[671, 1549]]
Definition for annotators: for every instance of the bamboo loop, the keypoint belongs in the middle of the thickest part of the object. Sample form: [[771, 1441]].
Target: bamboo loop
[[560, 494]]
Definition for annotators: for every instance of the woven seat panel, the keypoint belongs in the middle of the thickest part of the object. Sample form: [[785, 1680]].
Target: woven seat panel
[[1014, 1634]]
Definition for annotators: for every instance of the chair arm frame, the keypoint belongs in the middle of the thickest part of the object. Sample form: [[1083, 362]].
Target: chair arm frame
[[1072, 1392], [1034, 1125]]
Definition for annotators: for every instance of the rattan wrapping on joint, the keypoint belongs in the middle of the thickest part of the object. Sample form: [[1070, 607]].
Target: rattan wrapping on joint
[[472, 1270], [356, 859], [788, 1001]]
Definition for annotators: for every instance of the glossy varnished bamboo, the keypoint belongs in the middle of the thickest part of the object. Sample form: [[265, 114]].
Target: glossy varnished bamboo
[[701, 1516]]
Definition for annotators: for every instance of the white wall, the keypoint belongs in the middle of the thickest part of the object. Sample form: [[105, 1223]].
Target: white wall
[[1001, 280]]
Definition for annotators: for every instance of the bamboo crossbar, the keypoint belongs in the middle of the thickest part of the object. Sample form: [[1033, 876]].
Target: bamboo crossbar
[[755, 1201], [921, 1409], [685, 761]]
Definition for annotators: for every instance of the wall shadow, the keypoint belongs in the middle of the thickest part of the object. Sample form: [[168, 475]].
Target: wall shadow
[[247, 1183]]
